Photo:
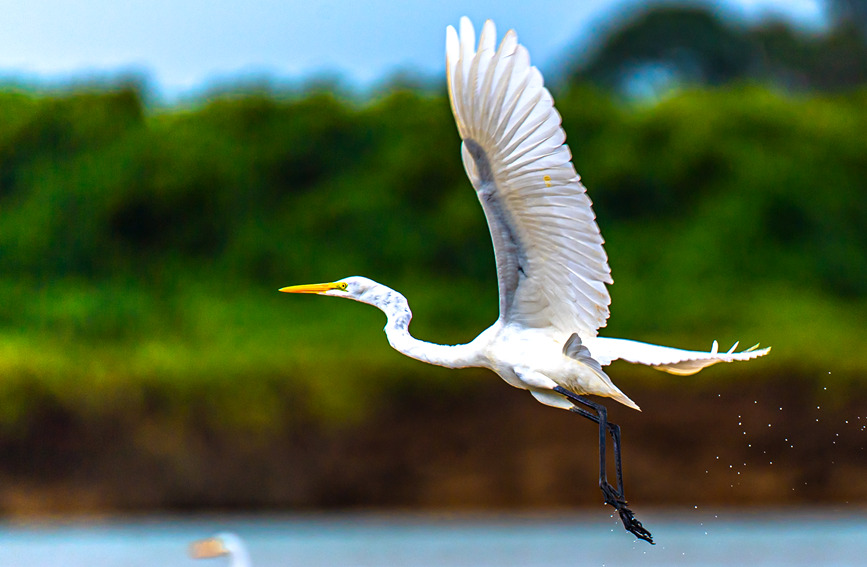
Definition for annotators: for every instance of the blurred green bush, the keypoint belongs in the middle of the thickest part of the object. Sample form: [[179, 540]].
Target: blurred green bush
[[140, 252]]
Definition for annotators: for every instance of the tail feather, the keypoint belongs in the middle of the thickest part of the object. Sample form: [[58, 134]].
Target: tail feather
[[575, 349]]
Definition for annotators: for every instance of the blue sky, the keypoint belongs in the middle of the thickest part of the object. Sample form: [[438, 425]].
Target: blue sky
[[182, 46]]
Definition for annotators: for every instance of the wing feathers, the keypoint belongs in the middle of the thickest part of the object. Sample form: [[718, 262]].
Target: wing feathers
[[672, 360], [552, 269], [551, 266]]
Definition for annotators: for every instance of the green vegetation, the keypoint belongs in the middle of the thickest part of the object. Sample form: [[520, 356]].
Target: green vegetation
[[683, 44], [140, 253]]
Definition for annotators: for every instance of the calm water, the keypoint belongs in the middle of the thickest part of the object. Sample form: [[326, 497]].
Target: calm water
[[693, 537]]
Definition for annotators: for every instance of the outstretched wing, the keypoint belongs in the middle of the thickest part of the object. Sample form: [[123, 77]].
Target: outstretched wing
[[672, 360], [551, 266]]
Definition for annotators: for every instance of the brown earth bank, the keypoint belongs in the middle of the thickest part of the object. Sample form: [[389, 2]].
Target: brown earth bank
[[780, 441]]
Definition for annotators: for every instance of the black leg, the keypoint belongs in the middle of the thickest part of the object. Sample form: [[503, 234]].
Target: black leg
[[614, 497]]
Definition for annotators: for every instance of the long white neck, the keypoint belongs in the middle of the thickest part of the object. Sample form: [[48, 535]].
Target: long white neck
[[396, 309]]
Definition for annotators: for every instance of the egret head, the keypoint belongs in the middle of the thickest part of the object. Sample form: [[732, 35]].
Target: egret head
[[353, 287], [217, 546], [363, 290]]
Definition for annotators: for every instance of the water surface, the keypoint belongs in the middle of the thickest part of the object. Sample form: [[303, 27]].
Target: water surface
[[692, 537]]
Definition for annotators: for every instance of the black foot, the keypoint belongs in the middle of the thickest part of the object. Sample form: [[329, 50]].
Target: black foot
[[626, 516]]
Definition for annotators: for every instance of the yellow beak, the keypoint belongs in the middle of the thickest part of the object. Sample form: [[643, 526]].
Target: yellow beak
[[310, 288], [206, 548]]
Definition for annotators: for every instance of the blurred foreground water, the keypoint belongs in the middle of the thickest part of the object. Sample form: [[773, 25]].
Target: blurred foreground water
[[687, 537]]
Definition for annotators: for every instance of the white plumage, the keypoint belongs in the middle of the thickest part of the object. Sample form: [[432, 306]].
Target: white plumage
[[552, 269], [551, 266], [530, 187]]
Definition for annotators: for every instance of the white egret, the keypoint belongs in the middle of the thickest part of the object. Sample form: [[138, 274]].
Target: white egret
[[552, 270], [222, 544]]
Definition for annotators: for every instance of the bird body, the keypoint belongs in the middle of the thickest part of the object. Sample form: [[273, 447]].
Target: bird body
[[529, 358], [535, 360], [552, 269]]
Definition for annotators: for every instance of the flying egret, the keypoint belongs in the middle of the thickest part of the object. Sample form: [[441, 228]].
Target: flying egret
[[224, 543], [552, 270]]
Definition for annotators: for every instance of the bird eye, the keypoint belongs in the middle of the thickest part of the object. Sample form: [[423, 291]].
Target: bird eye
[[343, 286]]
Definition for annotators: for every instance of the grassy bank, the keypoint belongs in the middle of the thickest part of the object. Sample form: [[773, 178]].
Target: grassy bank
[[140, 254]]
